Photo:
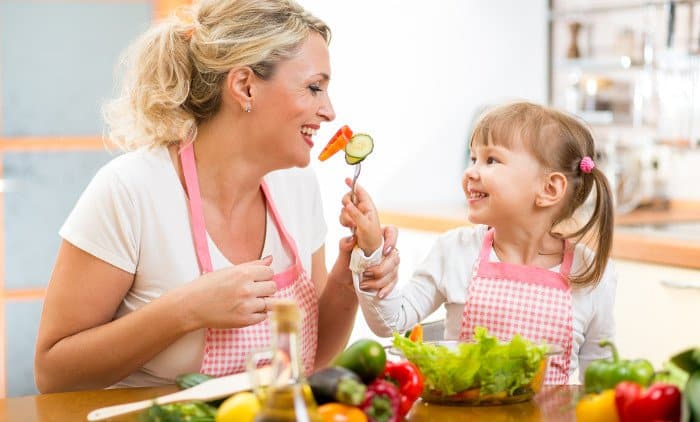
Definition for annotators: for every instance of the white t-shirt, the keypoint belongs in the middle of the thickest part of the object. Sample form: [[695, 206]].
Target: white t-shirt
[[134, 215], [444, 276]]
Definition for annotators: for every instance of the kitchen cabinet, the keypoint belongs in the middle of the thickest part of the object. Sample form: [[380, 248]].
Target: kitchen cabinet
[[631, 70], [656, 309]]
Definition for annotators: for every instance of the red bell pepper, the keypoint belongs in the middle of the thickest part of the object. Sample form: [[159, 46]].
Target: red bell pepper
[[382, 402], [409, 380], [659, 402]]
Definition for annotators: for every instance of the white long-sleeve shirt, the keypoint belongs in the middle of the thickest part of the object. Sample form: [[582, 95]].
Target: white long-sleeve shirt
[[444, 277]]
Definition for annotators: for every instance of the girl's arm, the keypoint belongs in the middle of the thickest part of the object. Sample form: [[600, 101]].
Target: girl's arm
[[602, 323], [401, 310], [338, 301]]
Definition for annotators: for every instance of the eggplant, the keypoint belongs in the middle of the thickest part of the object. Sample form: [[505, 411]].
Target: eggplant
[[337, 384]]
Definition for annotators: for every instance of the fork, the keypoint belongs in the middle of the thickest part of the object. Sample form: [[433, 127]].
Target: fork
[[358, 168]]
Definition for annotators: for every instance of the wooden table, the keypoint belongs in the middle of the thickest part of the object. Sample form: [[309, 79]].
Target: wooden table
[[552, 404]]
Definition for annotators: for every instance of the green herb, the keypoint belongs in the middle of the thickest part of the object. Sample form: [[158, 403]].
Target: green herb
[[179, 412]]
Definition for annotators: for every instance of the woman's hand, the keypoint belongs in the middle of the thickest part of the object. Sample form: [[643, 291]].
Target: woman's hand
[[233, 297], [383, 277]]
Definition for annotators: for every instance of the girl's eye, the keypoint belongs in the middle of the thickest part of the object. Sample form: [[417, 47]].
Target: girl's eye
[[491, 160], [315, 88], [473, 160]]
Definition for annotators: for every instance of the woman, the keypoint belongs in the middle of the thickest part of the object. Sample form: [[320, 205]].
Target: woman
[[219, 114]]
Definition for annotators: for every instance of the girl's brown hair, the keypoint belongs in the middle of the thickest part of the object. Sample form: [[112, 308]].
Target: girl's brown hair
[[559, 142], [174, 73]]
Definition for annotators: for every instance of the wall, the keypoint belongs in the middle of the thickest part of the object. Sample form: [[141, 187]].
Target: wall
[[56, 67], [410, 73], [412, 76]]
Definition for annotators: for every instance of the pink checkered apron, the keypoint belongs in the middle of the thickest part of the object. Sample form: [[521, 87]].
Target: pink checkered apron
[[226, 350], [511, 299]]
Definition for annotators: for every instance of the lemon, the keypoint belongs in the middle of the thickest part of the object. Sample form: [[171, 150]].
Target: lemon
[[240, 407]]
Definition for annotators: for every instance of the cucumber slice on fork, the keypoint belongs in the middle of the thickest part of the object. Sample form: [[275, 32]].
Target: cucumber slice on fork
[[352, 160], [358, 148]]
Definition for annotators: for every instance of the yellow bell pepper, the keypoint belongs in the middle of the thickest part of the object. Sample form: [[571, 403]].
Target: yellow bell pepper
[[597, 407], [416, 334]]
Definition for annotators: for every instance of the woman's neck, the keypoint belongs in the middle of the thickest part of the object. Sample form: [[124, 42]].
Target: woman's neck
[[227, 174], [532, 246]]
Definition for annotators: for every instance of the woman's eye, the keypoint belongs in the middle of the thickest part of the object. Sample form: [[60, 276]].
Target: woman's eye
[[315, 88]]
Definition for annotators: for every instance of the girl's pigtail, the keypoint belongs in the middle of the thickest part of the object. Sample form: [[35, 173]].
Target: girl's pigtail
[[599, 228]]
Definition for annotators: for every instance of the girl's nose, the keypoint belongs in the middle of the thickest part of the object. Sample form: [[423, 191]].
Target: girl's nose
[[471, 172]]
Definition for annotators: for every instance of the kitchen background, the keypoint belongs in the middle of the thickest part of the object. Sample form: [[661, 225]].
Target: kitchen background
[[412, 74]]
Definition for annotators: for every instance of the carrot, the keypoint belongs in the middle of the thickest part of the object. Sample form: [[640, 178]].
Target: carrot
[[337, 142]]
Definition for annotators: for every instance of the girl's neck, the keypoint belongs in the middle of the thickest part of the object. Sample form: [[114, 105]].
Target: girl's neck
[[532, 246]]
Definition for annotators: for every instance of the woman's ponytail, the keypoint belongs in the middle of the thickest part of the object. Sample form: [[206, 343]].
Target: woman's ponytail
[[150, 109]]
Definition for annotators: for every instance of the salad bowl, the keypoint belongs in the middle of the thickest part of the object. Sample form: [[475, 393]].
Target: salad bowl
[[480, 373]]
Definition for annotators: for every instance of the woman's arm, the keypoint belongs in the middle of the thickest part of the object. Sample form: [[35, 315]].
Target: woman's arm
[[337, 304], [77, 346], [338, 300], [80, 346]]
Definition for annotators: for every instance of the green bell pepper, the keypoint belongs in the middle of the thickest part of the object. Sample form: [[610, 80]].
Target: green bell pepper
[[603, 374]]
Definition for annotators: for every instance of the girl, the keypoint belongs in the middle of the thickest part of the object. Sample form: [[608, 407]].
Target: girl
[[522, 268]]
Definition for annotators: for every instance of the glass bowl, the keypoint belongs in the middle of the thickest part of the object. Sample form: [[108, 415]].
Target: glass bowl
[[510, 379]]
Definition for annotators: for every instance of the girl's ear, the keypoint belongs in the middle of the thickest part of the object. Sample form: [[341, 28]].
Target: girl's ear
[[553, 190], [238, 86]]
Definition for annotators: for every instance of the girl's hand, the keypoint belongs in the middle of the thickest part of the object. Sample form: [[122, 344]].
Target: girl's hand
[[363, 218], [233, 297], [383, 277]]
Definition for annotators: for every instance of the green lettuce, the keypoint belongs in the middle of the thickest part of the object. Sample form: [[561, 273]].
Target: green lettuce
[[494, 367]]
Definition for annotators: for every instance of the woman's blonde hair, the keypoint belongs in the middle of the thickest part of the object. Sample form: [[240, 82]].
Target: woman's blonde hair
[[559, 142], [174, 73]]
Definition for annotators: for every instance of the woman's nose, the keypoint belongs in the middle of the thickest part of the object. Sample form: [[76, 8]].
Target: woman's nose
[[326, 110]]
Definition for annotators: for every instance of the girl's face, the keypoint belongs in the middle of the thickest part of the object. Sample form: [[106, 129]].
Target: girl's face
[[292, 104], [501, 184]]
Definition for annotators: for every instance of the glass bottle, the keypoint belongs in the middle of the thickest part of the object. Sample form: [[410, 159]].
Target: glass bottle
[[288, 397]]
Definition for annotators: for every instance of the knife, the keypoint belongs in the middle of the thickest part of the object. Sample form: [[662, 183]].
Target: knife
[[209, 390]]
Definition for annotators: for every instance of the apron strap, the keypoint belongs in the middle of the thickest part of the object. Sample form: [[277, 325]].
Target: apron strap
[[199, 231], [564, 268], [199, 228]]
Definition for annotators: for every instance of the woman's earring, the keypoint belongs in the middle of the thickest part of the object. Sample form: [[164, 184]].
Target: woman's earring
[[247, 108]]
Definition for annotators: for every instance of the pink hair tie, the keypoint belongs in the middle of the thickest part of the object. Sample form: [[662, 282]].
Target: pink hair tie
[[586, 165]]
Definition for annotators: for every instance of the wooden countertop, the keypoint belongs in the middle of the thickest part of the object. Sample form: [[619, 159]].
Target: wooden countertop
[[628, 242], [552, 404]]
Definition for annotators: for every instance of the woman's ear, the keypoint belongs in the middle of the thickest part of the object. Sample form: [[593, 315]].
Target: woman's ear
[[553, 190], [238, 86]]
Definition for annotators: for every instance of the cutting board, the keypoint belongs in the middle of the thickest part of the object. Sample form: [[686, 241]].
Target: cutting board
[[209, 390]]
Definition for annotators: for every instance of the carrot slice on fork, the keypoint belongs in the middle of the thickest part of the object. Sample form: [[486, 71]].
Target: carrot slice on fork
[[337, 143]]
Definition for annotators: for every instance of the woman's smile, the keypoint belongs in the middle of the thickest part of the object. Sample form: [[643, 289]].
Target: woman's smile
[[307, 131]]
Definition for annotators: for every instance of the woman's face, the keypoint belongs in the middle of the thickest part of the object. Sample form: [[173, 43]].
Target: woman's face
[[293, 103]]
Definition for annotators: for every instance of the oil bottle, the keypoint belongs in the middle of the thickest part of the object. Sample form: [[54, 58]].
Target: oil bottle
[[288, 397]]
